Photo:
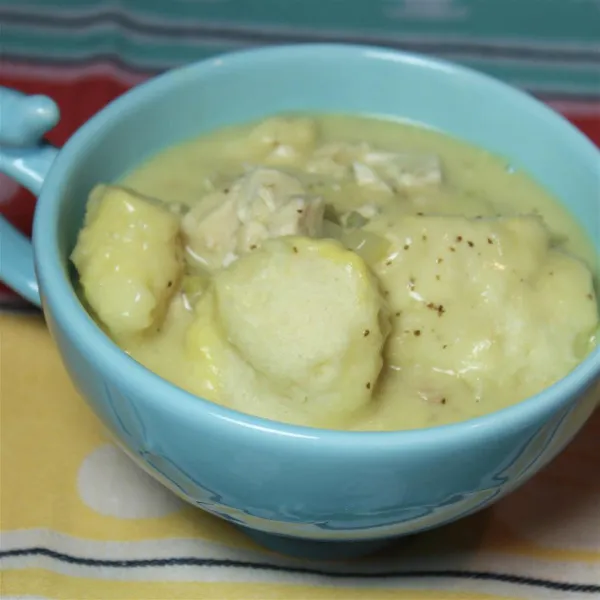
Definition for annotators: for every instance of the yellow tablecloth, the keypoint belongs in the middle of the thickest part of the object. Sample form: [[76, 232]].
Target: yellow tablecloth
[[80, 521]]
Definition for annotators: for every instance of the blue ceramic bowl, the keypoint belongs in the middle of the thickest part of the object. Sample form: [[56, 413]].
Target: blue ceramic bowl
[[294, 489]]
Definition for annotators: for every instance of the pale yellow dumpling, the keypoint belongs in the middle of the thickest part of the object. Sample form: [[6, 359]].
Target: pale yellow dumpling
[[307, 319], [128, 256], [485, 306]]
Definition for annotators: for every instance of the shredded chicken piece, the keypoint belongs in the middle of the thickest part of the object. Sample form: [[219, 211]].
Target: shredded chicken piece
[[263, 204]]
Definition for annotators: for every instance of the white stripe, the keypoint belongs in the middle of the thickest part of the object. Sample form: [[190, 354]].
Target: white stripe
[[251, 576], [480, 560]]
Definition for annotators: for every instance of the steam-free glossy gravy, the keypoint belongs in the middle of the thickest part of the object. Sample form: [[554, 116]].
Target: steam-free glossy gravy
[[340, 272]]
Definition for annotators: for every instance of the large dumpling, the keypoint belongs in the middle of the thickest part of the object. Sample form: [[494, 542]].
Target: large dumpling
[[129, 259], [296, 333], [485, 306]]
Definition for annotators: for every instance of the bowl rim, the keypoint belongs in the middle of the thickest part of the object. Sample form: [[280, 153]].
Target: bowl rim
[[61, 300]]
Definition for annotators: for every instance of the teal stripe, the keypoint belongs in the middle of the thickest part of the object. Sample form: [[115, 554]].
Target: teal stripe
[[132, 50], [157, 54], [558, 21]]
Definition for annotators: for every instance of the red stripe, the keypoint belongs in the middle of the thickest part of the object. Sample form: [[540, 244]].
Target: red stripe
[[589, 124]]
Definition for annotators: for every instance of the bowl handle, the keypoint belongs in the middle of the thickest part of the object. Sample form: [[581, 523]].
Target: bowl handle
[[26, 158]]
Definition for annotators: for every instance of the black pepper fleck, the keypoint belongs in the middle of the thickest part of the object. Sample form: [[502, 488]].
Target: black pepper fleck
[[299, 211], [439, 260], [490, 241], [438, 277], [471, 244], [417, 332], [253, 247], [590, 297], [420, 214], [398, 314], [368, 385], [443, 400], [452, 249], [388, 262], [459, 238], [366, 332], [295, 249], [169, 284], [406, 246], [444, 346]]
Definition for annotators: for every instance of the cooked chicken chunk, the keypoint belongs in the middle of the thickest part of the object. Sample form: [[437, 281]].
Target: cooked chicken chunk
[[379, 170], [263, 204]]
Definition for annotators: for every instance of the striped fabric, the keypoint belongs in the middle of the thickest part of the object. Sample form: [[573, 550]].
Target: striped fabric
[[547, 45], [78, 520]]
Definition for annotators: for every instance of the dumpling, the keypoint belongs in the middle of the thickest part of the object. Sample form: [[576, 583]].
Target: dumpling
[[488, 304], [129, 259], [300, 330]]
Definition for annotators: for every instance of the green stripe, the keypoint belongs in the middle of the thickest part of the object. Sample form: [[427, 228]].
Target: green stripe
[[159, 54], [17, 41], [556, 21]]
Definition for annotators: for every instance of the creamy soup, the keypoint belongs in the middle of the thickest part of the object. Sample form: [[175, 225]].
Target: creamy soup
[[340, 272]]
